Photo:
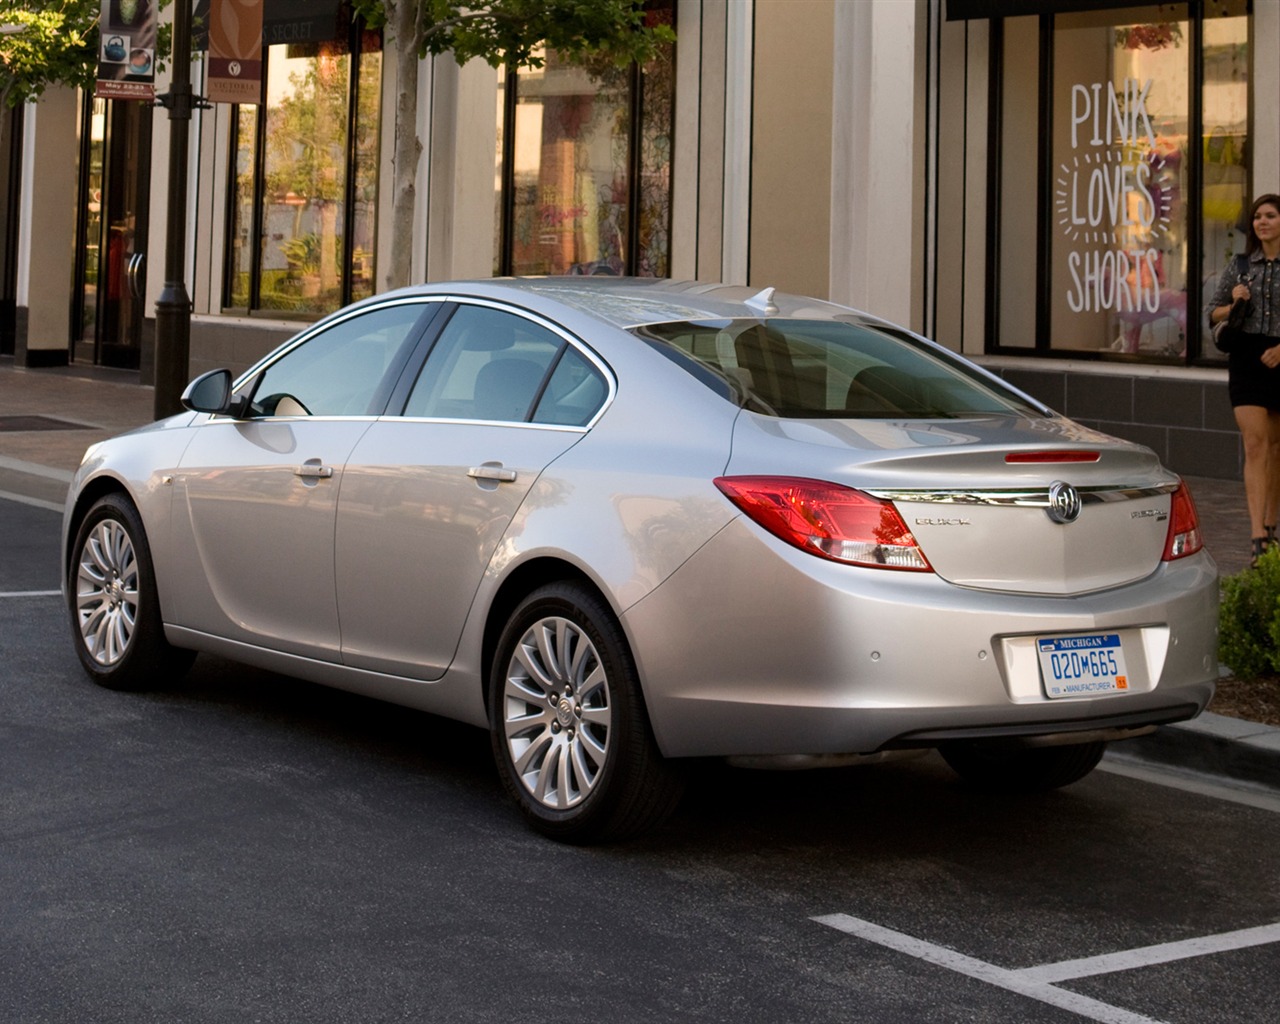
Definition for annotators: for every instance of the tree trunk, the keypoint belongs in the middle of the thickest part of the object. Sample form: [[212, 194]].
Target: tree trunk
[[402, 19]]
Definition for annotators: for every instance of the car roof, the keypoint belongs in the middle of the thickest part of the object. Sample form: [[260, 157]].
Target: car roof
[[628, 302]]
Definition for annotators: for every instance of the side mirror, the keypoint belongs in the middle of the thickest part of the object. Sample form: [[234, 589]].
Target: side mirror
[[210, 392]]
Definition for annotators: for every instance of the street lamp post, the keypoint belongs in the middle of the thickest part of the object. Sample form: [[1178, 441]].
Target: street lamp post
[[173, 308]]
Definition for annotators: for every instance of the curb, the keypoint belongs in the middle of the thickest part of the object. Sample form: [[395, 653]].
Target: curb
[[1215, 745]]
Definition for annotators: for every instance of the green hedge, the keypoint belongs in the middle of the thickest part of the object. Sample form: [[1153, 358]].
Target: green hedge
[[1249, 619]]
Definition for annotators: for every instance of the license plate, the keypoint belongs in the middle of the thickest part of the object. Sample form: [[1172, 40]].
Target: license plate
[[1084, 665]]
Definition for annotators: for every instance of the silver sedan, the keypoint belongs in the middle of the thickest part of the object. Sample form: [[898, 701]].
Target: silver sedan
[[622, 523]]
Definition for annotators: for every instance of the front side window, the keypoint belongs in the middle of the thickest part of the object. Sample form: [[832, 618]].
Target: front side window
[[346, 369], [1138, 119], [304, 179], [819, 369]]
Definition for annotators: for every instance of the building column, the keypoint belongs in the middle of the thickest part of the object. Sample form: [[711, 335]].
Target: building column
[[46, 232], [462, 151], [878, 159]]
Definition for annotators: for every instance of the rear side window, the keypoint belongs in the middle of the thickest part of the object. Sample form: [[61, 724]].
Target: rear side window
[[810, 369], [574, 393]]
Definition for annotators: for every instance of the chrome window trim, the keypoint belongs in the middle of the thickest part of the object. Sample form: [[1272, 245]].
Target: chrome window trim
[[455, 421], [1030, 497]]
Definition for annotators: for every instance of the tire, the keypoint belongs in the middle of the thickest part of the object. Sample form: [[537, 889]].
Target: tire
[[115, 611], [570, 733], [1022, 769]]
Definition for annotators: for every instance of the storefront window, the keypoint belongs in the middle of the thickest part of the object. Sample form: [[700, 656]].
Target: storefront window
[[1103, 181], [305, 180], [1226, 135], [587, 185]]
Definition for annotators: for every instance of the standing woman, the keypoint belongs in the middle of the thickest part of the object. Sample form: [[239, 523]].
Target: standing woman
[[1253, 380]]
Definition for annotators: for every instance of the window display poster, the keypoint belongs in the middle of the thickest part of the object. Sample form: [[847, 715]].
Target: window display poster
[[127, 50], [1120, 247], [235, 51]]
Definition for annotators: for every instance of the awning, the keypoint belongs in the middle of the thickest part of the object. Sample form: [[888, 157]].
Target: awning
[[962, 10]]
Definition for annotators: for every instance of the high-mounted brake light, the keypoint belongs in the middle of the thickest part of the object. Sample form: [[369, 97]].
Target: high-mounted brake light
[[1184, 526], [827, 520], [1052, 456]]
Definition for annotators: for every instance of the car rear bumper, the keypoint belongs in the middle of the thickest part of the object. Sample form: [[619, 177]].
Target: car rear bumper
[[756, 648]]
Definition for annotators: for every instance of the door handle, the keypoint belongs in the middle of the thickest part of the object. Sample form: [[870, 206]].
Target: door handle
[[490, 471], [136, 262], [312, 470]]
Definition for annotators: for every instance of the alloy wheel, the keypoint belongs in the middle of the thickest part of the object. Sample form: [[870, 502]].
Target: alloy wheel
[[107, 592], [557, 714]]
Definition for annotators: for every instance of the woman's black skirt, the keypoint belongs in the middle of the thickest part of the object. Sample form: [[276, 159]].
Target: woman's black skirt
[[1249, 382]]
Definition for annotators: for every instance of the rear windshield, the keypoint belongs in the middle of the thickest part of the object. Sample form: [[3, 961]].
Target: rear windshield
[[809, 369]]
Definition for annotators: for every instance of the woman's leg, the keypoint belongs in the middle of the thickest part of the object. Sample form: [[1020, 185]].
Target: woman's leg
[[1271, 507], [1255, 424]]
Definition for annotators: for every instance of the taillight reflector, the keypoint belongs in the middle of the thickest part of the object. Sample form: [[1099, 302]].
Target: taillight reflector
[[1184, 526], [827, 520]]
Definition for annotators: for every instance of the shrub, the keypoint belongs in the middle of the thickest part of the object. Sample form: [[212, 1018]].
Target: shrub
[[1249, 619]]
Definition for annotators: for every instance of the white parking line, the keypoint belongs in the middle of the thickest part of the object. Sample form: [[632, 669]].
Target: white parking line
[[30, 593], [22, 499], [1148, 955], [1036, 982]]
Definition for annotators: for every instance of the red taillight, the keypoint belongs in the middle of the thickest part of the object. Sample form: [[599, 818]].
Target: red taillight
[[1184, 526], [827, 520]]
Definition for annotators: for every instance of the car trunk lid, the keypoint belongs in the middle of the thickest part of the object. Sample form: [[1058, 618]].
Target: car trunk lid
[[999, 503]]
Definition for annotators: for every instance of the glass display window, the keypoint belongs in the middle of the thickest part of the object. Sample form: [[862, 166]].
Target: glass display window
[[305, 179], [1121, 151], [584, 169]]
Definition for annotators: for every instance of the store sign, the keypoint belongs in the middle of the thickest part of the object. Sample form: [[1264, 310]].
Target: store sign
[[302, 21], [127, 50], [235, 51], [1110, 202]]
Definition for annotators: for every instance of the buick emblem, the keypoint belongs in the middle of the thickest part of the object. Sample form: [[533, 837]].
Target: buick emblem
[[1064, 502]]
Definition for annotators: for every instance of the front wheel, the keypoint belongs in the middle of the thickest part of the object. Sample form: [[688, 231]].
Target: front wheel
[[115, 611], [1022, 769], [570, 732]]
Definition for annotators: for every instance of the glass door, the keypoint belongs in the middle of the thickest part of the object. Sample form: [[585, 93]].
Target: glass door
[[111, 262]]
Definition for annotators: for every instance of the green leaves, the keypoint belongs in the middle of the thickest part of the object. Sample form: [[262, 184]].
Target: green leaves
[[57, 45], [514, 32], [1249, 619]]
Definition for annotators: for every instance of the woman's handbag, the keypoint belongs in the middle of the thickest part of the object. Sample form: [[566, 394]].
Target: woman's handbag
[[1227, 332]]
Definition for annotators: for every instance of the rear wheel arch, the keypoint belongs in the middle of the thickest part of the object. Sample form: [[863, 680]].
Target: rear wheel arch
[[515, 588]]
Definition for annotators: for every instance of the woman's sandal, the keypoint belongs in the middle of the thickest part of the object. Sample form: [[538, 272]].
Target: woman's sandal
[[1260, 544]]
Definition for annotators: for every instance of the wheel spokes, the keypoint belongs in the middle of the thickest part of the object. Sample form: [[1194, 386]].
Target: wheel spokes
[[557, 714], [107, 592]]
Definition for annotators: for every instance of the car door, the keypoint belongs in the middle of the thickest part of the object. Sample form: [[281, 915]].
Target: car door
[[428, 495], [257, 495]]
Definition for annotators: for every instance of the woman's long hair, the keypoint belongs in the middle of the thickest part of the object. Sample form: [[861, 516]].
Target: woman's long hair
[[1255, 243]]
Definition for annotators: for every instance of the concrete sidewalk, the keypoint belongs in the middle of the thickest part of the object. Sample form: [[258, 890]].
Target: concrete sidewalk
[[49, 417]]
